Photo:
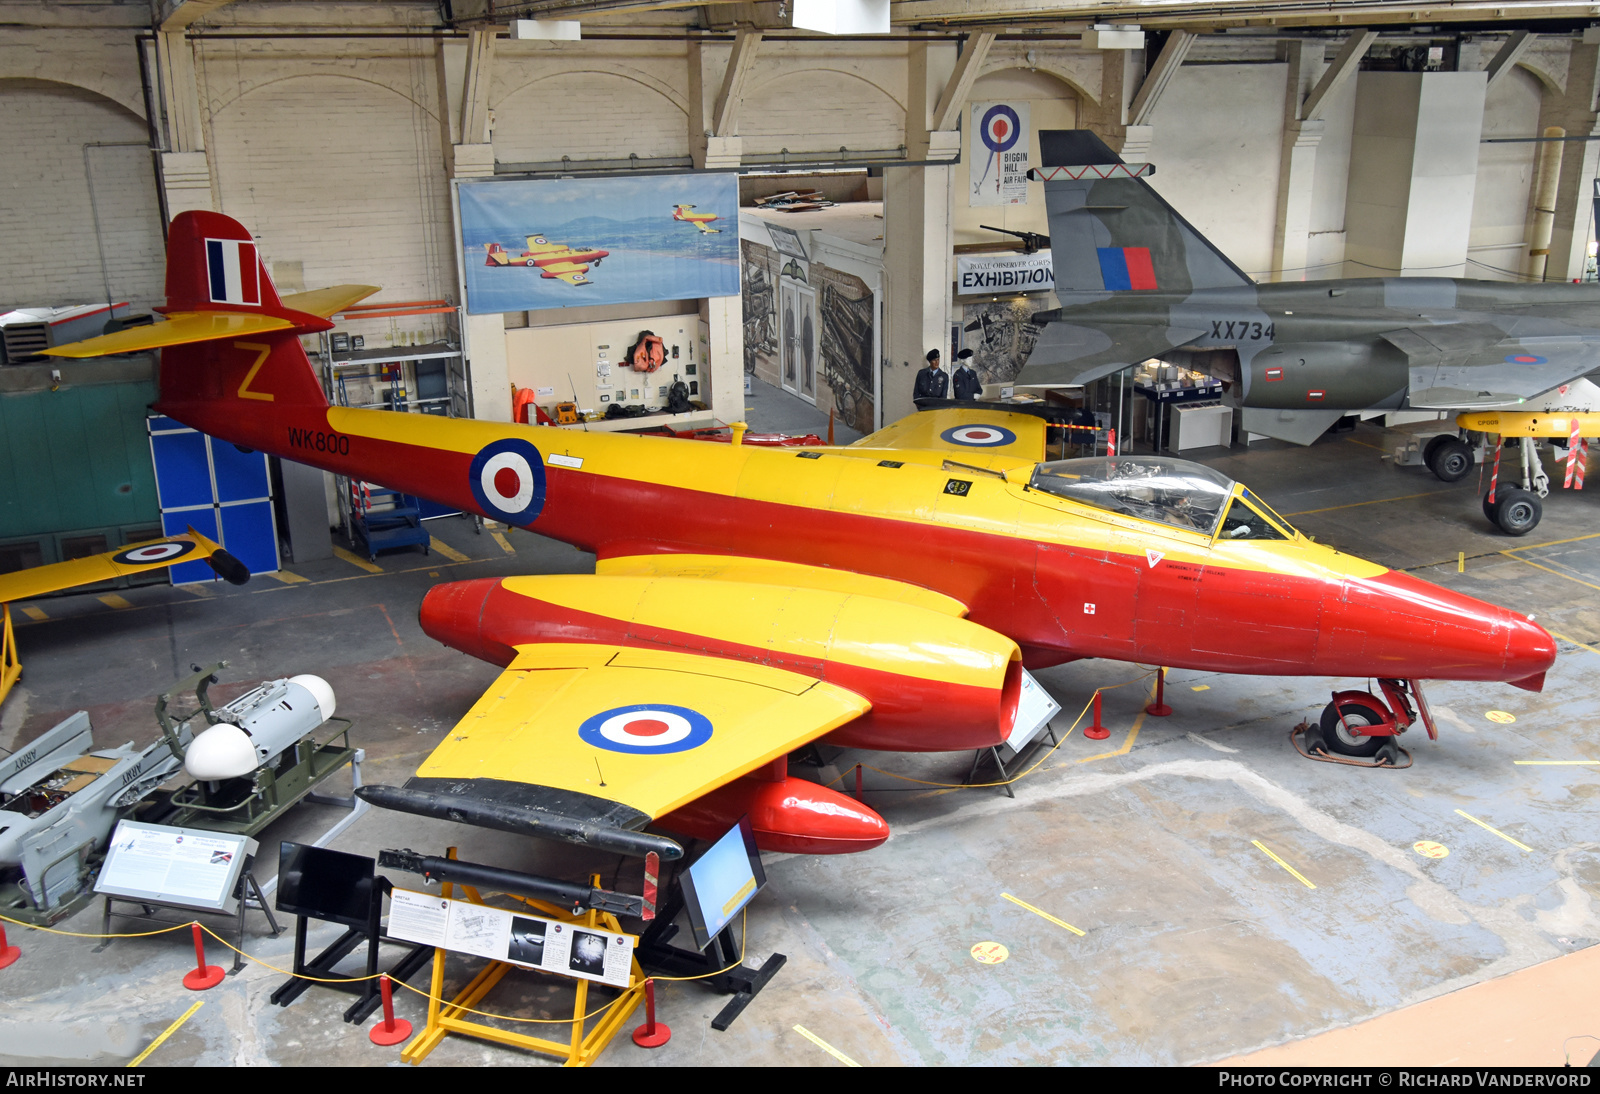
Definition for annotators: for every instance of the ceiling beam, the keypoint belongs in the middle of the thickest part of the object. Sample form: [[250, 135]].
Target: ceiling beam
[[1510, 53], [178, 14], [725, 114], [1343, 67], [1161, 74], [968, 65]]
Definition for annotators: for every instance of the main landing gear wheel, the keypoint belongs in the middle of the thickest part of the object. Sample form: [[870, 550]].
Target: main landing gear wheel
[[1356, 714], [1431, 450], [1517, 511], [1452, 460]]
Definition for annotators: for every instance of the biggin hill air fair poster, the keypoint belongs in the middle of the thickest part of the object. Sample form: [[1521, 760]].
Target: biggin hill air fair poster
[[562, 243]]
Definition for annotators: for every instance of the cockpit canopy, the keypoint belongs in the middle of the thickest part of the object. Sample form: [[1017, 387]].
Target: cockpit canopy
[[1176, 493]]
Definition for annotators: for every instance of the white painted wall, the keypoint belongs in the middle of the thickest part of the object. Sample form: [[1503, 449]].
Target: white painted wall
[[1497, 248], [1326, 243], [1218, 129]]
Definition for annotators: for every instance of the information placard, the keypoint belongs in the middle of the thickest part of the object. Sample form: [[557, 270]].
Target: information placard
[[531, 941], [183, 866]]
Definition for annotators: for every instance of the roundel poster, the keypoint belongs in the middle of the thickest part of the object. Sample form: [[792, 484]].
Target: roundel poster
[[999, 156]]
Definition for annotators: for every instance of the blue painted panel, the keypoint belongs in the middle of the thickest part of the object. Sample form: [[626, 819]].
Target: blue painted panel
[[182, 475], [249, 534], [240, 476], [203, 521]]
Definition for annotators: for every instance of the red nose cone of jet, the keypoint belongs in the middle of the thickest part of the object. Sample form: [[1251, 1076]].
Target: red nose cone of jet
[[1399, 626]]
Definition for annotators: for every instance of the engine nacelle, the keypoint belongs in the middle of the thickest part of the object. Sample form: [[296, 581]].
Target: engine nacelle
[[1327, 376], [936, 682]]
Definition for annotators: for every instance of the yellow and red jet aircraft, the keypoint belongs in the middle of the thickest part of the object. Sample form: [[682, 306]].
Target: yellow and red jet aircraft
[[750, 600], [135, 558], [699, 220], [554, 260]]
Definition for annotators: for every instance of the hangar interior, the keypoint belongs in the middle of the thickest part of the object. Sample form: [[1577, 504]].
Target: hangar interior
[[1189, 890]]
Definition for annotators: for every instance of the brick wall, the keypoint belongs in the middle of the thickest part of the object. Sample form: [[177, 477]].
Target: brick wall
[[47, 223]]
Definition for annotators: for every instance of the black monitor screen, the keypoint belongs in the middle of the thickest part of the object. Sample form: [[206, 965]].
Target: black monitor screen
[[323, 884], [722, 881]]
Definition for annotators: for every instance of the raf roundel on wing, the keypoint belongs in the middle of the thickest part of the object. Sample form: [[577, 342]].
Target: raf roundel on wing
[[647, 729], [152, 553], [507, 480], [979, 436]]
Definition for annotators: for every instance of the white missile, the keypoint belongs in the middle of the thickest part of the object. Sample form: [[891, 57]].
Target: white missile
[[261, 724]]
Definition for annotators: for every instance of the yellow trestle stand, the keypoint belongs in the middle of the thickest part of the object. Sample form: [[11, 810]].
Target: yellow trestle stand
[[455, 1016], [10, 667]]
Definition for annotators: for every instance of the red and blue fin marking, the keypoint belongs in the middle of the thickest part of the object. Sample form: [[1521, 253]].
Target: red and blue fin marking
[[1126, 268], [231, 271]]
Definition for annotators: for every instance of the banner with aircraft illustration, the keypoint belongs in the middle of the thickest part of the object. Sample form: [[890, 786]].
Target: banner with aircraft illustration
[[529, 244]]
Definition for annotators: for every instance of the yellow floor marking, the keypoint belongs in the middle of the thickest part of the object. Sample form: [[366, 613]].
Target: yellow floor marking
[[1374, 501], [112, 600], [989, 953], [1552, 543], [1428, 848], [1503, 717], [446, 550], [1133, 735], [287, 578], [505, 544], [197, 588], [1548, 570], [1201, 687], [1367, 444], [1046, 915], [35, 614], [356, 560], [1561, 637], [1298, 875], [168, 1032], [825, 1047], [1552, 763], [1496, 831]]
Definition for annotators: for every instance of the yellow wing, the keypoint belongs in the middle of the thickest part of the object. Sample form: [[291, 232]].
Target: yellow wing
[[575, 737], [179, 329], [330, 301], [570, 272], [132, 559], [975, 432]]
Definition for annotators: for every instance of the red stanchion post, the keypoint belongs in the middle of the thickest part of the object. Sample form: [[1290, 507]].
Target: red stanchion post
[[1097, 732], [8, 952], [1159, 708], [652, 1034], [202, 976], [392, 1030]]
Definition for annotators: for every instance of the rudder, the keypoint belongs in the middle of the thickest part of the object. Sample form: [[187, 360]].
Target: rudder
[[1116, 234]]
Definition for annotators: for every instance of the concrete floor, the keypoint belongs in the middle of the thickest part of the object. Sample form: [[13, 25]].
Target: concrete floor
[[1196, 945]]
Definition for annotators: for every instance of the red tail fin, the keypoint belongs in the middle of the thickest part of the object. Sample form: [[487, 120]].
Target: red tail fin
[[212, 263]]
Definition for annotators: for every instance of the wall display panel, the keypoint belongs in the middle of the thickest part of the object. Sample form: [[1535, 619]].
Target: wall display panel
[[561, 243]]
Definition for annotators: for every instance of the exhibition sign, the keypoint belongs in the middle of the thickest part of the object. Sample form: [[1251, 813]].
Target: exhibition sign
[[998, 166], [184, 866], [529, 244], [550, 945], [1004, 273]]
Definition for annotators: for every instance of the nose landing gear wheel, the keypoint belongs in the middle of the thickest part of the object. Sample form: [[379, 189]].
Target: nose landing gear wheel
[[1517, 512], [1337, 724]]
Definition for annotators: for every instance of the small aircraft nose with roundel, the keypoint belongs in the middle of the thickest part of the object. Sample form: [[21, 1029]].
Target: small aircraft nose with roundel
[[747, 601]]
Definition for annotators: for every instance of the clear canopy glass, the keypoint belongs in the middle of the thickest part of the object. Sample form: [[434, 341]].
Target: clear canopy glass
[[1176, 493]]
